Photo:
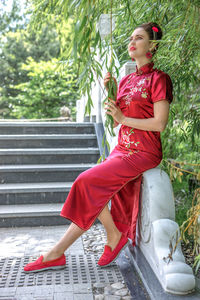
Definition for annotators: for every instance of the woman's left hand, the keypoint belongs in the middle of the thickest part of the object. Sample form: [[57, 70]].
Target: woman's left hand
[[113, 110]]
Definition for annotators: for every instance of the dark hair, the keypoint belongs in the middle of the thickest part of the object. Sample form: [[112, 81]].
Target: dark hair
[[152, 35]]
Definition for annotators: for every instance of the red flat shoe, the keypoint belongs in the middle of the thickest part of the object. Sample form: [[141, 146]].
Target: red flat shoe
[[109, 256], [38, 265]]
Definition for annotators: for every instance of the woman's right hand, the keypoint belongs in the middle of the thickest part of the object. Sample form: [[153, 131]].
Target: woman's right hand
[[107, 79]]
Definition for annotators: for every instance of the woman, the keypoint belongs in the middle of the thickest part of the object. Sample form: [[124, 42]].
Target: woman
[[142, 108]]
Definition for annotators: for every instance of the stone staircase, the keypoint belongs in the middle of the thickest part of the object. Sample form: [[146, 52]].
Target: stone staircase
[[38, 164]]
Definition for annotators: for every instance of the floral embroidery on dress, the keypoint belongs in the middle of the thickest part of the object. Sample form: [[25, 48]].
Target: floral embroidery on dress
[[127, 99], [144, 94], [132, 91], [142, 81], [139, 87], [125, 138], [130, 153]]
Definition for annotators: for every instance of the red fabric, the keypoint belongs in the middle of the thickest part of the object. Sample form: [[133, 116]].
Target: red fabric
[[112, 179], [136, 94], [127, 220], [119, 177]]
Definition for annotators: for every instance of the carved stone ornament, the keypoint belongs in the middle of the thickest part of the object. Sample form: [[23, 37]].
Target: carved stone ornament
[[156, 227]]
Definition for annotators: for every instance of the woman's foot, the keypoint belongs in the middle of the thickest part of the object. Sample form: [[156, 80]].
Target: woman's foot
[[110, 254], [114, 241], [40, 265], [51, 256]]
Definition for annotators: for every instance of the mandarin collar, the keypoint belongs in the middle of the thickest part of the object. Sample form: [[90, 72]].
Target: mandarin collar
[[145, 69]]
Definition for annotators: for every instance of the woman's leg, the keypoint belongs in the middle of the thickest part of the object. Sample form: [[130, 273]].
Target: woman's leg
[[74, 232], [113, 234]]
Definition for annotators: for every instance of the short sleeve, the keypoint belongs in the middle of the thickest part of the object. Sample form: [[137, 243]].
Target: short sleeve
[[161, 87]]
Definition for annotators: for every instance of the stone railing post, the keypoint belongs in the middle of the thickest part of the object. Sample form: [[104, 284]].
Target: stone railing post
[[156, 227]]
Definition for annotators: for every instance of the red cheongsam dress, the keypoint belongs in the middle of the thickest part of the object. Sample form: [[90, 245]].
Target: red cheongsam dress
[[118, 178]]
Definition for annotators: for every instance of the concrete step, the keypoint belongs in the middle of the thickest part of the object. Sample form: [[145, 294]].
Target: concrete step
[[46, 128], [41, 173], [34, 193], [48, 141], [48, 155], [31, 215], [38, 163]]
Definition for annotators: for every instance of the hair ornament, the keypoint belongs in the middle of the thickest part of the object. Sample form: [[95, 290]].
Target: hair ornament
[[155, 29]]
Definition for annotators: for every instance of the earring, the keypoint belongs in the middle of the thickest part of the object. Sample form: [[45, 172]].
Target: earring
[[132, 59], [149, 54]]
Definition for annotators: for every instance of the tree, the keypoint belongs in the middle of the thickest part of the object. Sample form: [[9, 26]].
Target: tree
[[47, 89], [16, 48], [11, 20], [178, 53]]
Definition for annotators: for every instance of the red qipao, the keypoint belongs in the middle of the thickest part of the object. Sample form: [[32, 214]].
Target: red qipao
[[119, 177]]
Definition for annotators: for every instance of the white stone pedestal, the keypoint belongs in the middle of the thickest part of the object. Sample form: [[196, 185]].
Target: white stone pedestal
[[156, 227]]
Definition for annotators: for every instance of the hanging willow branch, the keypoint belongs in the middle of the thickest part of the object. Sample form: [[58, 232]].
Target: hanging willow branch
[[178, 53], [112, 88]]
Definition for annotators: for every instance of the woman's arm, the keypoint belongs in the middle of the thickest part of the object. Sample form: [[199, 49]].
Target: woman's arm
[[157, 123]]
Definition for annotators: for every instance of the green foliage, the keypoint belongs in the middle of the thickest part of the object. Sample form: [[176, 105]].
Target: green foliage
[[196, 263], [84, 38], [178, 53], [48, 88], [112, 94], [10, 20], [183, 198], [30, 48], [16, 48]]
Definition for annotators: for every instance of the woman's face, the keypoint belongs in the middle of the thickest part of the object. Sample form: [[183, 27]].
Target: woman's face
[[139, 43]]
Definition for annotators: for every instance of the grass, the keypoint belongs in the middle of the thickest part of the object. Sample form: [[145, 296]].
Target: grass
[[183, 199], [183, 194]]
